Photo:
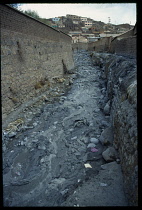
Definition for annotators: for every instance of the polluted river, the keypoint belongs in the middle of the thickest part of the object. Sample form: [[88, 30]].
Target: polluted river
[[61, 159]]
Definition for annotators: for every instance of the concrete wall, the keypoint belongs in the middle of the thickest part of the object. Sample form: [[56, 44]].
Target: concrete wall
[[125, 46], [32, 53], [127, 34], [101, 45], [80, 46], [121, 90]]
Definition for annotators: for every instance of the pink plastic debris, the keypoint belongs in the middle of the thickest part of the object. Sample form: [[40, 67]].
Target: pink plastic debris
[[93, 149]]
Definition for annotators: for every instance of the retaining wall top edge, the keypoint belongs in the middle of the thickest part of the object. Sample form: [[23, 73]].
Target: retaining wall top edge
[[28, 16]]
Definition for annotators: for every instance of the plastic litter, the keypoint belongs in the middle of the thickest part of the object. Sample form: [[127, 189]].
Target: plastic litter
[[87, 165], [93, 149], [103, 184]]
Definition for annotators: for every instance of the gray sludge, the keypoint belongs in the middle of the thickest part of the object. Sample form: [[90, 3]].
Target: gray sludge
[[59, 162]]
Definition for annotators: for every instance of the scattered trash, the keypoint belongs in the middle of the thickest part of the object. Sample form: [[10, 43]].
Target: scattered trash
[[22, 143], [73, 138], [42, 147], [35, 124], [93, 149], [103, 184], [87, 165], [42, 160], [76, 205]]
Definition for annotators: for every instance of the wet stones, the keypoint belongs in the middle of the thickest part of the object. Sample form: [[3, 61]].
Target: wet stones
[[81, 122], [91, 145], [109, 154], [107, 108], [65, 137], [12, 134], [106, 137], [94, 140]]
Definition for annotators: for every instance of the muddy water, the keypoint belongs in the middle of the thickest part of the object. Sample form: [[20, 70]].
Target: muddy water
[[45, 165]]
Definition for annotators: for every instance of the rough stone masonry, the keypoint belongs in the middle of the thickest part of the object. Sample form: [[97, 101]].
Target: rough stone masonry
[[120, 75], [32, 54]]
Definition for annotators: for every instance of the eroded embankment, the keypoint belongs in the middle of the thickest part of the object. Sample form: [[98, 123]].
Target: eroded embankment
[[121, 98]]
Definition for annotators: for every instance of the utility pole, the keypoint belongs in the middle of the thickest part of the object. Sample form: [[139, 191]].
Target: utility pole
[[109, 20]]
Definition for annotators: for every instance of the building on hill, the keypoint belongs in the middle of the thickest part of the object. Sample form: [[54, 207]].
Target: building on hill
[[76, 22], [83, 19], [71, 33], [56, 19], [79, 38], [73, 17], [85, 29], [88, 23]]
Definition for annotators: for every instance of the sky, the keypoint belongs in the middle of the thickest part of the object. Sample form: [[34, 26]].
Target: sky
[[119, 13]]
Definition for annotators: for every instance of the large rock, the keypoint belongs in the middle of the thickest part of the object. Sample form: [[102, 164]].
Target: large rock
[[91, 145], [107, 108], [94, 140], [109, 154], [106, 137], [97, 60]]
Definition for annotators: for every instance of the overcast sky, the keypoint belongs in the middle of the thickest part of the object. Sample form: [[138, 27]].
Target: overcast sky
[[118, 13]]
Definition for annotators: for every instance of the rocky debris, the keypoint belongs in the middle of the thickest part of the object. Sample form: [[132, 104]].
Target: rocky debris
[[103, 184], [12, 134], [106, 189], [109, 154], [107, 108], [94, 140], [45, 163], [91, 145], [106, 137]]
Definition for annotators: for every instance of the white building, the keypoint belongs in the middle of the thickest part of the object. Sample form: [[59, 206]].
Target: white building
[[76, 39], [83, 18], [75, 21], [56, 19], [88, 23]]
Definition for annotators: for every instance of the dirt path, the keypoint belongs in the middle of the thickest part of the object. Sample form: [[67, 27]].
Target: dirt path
[[45, 165]]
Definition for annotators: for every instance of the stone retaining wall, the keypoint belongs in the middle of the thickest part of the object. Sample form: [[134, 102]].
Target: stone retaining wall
[[32, 53], [101, 45], [121, 87]]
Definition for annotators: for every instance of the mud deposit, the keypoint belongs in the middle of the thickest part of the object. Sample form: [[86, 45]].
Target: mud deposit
[[45, 165]]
